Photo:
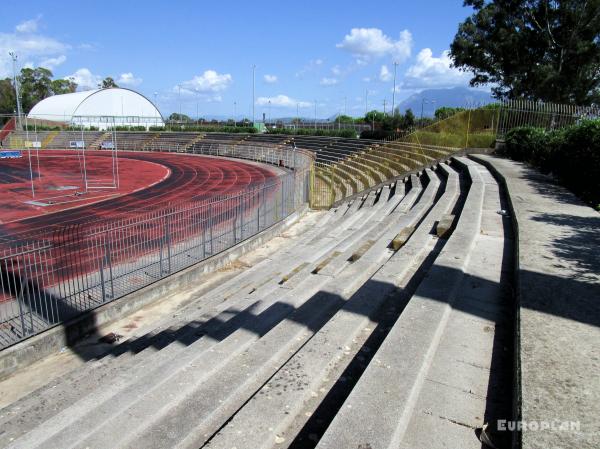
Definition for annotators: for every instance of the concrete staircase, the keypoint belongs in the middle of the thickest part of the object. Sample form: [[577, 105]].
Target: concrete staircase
[[366, 330]]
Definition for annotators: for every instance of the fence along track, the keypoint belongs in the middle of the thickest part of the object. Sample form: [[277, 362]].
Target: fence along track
[[48, 279]]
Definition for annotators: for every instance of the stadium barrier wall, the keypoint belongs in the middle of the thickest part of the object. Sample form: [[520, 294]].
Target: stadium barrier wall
[[46, 280]]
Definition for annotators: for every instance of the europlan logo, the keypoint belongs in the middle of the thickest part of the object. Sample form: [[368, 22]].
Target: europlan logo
[[556, 425]]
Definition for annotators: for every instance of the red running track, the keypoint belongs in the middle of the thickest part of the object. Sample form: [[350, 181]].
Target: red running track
[[59, 183], [190, 178]]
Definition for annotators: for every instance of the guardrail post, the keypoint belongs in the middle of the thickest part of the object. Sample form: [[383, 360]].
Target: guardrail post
[[102, 287], [243, 210], [109, 263], [204, 241], [168, 242], [233, 226], [282, 199], [210, 228], [258, 213]]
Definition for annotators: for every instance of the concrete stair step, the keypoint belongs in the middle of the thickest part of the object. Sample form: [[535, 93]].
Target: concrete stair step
[[162, 372], [282, 405], [379, 408]]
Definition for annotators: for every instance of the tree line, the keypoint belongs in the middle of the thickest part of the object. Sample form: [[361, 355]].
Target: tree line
[[35, 84]]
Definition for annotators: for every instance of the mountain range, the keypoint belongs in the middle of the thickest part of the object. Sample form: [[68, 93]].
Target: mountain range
[[431, 99]]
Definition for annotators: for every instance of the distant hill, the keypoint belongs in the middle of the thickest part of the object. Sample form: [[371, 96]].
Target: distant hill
[[455, 97]]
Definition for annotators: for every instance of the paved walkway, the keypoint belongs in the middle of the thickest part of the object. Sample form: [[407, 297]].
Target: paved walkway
[[558, 285]]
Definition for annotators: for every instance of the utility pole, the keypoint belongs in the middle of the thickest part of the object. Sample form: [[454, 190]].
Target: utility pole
[[366, 102], [253, 90], [315, 114], [197, 106], [179, 87], [345, 107], [234, 114], [394, 91], [297, 116], [13, 55], [384, 107]]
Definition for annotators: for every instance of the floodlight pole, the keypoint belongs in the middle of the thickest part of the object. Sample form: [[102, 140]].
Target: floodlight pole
[[394, 91], [253, 90], [234, 114], [13, 56], [31, 169], [179, 87], [84, 166], [197, 106]]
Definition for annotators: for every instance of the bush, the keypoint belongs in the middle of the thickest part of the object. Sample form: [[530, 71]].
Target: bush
[[522, 143], [572, 155], [348, 133], [577, 159]]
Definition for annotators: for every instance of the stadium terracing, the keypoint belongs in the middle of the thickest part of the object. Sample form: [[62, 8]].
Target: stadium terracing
[[258, 290]]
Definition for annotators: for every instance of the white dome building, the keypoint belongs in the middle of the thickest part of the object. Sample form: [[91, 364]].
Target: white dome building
[[101, 108]]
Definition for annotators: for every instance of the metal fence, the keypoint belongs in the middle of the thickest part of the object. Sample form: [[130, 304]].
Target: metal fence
[[48, 279], [548, 116]]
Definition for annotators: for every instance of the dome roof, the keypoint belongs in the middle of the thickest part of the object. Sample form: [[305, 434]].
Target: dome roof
[[127, 106]]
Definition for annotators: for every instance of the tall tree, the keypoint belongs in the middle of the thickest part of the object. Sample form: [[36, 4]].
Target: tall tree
[[538, 49], [35, 84], [8, 103], [107, 83], [63, 86]]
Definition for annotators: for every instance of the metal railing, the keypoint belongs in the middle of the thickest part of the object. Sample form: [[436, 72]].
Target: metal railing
[[549, 116], [48, 279]]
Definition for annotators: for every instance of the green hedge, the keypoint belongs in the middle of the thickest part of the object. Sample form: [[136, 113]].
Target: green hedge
[[349, 133], [572, 155], [205, 129]]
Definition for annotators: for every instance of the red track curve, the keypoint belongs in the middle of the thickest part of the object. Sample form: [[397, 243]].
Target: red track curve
[[192, 178]]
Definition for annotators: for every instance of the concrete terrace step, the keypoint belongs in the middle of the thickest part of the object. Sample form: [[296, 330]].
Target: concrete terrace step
[[247, 363], [66, 435], [383, 409], [277, 411], [191, 321]]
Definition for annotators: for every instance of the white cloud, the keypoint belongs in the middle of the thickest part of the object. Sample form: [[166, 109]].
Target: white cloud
[[328, 81], [29, 26], [209, 82], [366, 44], [127, 79], [429, 71], [31, 50], [336, 70], [313, 64], [270, 79], [52, 63], [385, 74], [85, 79], [282, 101]]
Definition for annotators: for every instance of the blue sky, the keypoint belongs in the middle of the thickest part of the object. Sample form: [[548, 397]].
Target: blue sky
[[329, 53]]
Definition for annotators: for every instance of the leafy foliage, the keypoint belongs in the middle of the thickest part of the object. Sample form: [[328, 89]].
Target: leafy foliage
[[107, 83], [446, 111], [315, 132], [175, 117], [571, 154], [36, 84], [534, 49]]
